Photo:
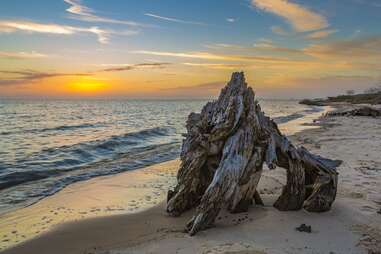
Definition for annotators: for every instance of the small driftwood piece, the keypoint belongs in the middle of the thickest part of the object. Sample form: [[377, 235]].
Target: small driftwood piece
[[223, 155]]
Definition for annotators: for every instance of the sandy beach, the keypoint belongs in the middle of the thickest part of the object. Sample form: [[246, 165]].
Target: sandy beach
[[352, 226], [190, 127], [128, 192]]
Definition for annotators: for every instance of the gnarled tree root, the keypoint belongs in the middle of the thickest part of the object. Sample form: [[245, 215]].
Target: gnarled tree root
[[223, 155]]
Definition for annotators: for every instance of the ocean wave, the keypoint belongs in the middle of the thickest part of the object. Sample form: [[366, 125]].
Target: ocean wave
[[297, 115], [58, 160], [285, 119], [314, 109], [57, 128], [16, 178], [45, 183], [111, 144], [66, 127]]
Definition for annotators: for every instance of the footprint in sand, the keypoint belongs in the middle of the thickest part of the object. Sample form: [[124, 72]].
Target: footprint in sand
[[233, 248]]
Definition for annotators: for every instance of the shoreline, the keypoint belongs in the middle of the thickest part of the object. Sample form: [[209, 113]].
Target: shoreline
[[350, 218], [125, 193]]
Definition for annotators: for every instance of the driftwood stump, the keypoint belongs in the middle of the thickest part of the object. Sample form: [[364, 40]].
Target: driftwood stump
[[222, 159]]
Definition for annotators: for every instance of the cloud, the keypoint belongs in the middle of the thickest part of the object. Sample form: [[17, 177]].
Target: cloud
[[319, 87], [210, 56], [21, 55], [221, 66], [210, 89], [261, 46], [223, 45], [278, 30], [8, 26], [84, 13], [360, 50], [263, 43], [365, 47], [360, 55], [30, 76], [129, 67], [320, 34], [231, 20], [175, 19], [301, 18], [25, 77], [32, 27]]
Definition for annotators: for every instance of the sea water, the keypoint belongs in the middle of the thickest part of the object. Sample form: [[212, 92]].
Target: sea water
[[46, 145]]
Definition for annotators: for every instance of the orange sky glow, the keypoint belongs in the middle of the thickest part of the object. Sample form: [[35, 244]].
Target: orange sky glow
[[287, 48]]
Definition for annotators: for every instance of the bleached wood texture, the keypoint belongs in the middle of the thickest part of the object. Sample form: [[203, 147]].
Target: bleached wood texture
[[223, 155]]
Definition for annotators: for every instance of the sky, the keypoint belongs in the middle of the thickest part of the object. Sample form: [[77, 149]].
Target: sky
[[187, 49]]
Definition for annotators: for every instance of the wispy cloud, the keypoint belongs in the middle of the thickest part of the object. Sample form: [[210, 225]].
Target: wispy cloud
[[30, 76], [278, 30], [261, 46], [27, 77], [129, 67], [21, 55], [200, 90], [231, 20], [361, 55], [366, 47], [263, 43], [301, 18], [174, 19], [8, 26], [321, 34], [274, 64], [210, 56], [306, 87], [318, 87], [9, 78], [222, 45], [222, 66], [81, 12]]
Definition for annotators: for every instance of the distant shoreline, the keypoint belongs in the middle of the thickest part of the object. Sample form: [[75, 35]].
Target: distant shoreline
[[366, 98]]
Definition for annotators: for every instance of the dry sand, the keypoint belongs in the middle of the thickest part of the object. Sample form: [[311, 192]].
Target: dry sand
[[352, 226]]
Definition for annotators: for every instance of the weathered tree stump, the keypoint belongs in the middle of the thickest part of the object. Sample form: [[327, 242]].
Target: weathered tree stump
[[223, 155]]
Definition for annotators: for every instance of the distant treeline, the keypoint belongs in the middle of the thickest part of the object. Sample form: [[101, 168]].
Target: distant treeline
[[373, 98]]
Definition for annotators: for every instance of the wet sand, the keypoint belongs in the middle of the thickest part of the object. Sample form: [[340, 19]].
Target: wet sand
[[129, 192]]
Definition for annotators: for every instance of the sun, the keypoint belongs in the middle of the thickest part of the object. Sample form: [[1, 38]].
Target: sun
[[87, 87]]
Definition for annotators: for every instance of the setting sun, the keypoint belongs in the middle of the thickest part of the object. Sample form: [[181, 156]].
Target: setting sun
[[86, 87]]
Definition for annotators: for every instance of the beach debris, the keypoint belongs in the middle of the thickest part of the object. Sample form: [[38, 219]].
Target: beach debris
[[304, 228], [370, 237], [223, 155], [363, 111]]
